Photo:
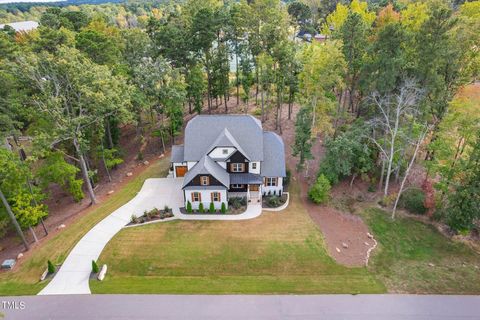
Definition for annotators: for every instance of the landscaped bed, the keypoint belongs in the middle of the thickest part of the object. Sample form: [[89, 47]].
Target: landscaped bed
[[236, 205], [152, 215], [274, 201]]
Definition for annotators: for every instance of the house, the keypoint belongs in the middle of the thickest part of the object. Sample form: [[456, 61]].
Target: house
[[226, 156]]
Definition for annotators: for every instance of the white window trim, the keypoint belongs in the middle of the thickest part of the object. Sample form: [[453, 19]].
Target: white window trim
[[237, 167], [204, 180], [218, 198], [194, 194], [237, 186], [271, 182]]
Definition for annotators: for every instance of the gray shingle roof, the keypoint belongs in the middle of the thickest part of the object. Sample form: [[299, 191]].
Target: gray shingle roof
[[273, 156], [225, 139], [203, 130], [177, 154], [245, 178], [207, 166]]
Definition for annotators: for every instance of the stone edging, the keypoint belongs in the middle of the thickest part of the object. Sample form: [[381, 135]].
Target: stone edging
[[282, 207], [370, 250]]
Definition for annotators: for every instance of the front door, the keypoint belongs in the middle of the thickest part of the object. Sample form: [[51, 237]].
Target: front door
[[180, 171], [254, 187]]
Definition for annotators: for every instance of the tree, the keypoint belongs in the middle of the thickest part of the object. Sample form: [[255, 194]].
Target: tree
[[73, 94], [21, 203], [352, 147], [464, 202], [196, 87], [396, 110], [303, 138], [354, 37], [323, 70], [319, 192], [54, 169], [300, 13]]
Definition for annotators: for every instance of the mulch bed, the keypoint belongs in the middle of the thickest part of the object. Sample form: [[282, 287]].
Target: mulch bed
[[154, 215]]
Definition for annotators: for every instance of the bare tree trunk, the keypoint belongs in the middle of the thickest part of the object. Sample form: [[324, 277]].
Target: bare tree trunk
[[33, 233], [105, 165], [109, 134], [83, 168], [410, 165], [14, 220], [263, 106]]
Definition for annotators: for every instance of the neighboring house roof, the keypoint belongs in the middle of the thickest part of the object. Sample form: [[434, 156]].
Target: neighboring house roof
[[207, 166], [273, 156], [177, 154], [225, 139], [21, 26], [245, 178], [204, 130]]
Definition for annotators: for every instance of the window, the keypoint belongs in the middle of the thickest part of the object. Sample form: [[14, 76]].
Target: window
[[237, 186], [196, 197], [225, 151], [204, 180], [271, 182], [254, 165], [236, 167], [215, 196]]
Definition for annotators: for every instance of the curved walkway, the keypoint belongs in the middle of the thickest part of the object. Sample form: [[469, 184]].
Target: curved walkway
[[74, 274]]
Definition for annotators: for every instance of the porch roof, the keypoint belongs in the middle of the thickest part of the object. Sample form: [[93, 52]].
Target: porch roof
[[245, 178]]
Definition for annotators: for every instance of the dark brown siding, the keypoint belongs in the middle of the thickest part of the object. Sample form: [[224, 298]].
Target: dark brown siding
[[196, 181], [244, 189], [237, 157]]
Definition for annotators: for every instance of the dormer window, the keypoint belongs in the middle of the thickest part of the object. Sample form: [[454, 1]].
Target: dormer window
[[237, 167], [204, 180], [225, 151], [254, 166]]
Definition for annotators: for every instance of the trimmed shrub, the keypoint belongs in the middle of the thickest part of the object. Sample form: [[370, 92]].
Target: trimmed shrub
[[166, 208], [189, 207], [319, 192], [50, 267], [94, 267], [200, 208], [413, 200], [224, 208], [212, 207], [286, 180], [243, 201], [273, 202], [133, 219]]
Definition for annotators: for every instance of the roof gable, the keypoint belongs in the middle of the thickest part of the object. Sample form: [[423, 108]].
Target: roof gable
[[207, 166], [204, 132]]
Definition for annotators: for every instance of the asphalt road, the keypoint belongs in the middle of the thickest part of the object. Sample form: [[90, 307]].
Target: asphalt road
[[249, 307]]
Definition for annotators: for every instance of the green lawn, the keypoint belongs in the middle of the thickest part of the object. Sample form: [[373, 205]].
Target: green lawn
[[275, 253], [23, 280], [407, 247]]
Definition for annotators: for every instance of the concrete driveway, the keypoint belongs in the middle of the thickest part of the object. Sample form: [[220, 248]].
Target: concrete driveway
[[73, 276]]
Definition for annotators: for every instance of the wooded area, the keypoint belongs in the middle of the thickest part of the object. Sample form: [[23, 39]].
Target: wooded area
[[383, 89]]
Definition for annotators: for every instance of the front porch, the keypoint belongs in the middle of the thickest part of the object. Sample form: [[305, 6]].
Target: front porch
[[252, 193]]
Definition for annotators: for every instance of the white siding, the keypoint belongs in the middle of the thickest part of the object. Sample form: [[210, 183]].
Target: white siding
[[190, 164], [206, 198], [217, 153], [278, 188], [251, 170], [175, 165]]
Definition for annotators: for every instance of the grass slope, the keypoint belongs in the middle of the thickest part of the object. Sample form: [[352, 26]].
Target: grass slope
[[24, 279], [275, 253], [407, 247]]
